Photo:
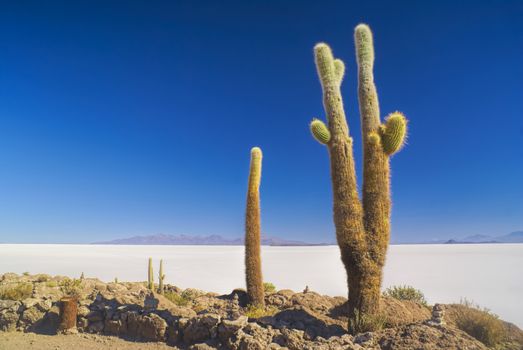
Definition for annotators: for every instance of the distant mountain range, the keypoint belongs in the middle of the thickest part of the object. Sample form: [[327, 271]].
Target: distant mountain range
[[513, 237], [162, 239]]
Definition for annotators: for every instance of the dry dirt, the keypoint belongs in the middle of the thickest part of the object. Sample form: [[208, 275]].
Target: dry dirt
[[32, 341]]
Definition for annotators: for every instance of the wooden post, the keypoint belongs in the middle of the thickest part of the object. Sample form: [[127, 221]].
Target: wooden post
[[68, 313]]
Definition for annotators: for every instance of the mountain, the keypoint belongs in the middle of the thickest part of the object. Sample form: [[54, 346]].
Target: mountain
[[513, 237], [162, 239]]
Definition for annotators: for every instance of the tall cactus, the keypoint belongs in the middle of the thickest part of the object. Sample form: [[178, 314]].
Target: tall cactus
[[150, 275], [362, 226], [161, 277], [253, 271]]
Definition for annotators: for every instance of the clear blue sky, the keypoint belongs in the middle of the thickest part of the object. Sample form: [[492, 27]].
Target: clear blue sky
[[123, 118]]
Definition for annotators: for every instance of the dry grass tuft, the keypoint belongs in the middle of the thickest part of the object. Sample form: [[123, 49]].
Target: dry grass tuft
[[480, 323], [18, 291]]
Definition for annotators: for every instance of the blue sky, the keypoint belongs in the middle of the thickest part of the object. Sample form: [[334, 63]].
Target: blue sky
[[133, 118]]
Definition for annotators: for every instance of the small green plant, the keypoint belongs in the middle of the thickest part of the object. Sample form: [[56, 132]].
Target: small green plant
[[51, 284], [42, 278], [18, 291], [406, 293], [178, 299], [257, 311], [480, 323], [71, 287], [269, 287], [26, 273]]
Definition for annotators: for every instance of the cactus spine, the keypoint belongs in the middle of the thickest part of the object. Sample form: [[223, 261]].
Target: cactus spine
[[150, 276], [253, 271], [161, 277], [362, 226]]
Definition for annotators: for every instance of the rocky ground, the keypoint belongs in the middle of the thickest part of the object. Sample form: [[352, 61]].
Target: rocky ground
[[193, 319]]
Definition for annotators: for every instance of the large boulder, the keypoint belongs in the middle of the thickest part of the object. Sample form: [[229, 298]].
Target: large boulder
[[9, 313], [228, 328], [201, 328]]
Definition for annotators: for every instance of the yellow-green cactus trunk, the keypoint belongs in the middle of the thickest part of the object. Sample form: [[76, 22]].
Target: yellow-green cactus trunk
[[161, 277], [362, 226], [150, 276], [253, 270]]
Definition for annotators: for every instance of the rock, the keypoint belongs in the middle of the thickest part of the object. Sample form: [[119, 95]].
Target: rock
[[8, 320], [202, 346], [178, 311], [147, 327], [420, 336], [201, 328], [112, 327], [153, 328], [94, 316], [83, 311], [96, 327], [228, 328], [150, 303], [82, 324], [31, 315], [12, 305], [243, 298], [363, 337], [252, 337]]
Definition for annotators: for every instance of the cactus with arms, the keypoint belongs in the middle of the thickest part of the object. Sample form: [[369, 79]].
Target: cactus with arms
[[253, 271], [362, 226]]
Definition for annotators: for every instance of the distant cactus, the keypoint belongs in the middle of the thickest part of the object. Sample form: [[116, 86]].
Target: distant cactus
[[253, 269], [362, 227], [82, 276], [161, 277], [116, 280], [150, 275]]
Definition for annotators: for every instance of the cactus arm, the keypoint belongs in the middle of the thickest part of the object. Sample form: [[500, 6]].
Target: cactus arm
[[253, 271], [339, 68], [320, 131], [393, 133], [368, 97], [332, 101]]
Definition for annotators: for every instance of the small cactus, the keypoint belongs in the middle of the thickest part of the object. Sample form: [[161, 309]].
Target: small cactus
[[82, 276], [116, 280], [161, 277], [150, 276]]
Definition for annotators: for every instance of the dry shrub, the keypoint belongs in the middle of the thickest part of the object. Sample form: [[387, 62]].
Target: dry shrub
[[479, 323], [406, 293], [269, 287], [368, 323], [18, 291], [256, 311]]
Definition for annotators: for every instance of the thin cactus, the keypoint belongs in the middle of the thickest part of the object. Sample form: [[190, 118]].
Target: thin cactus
[[253, 270], [150, 275], [161, 277]]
